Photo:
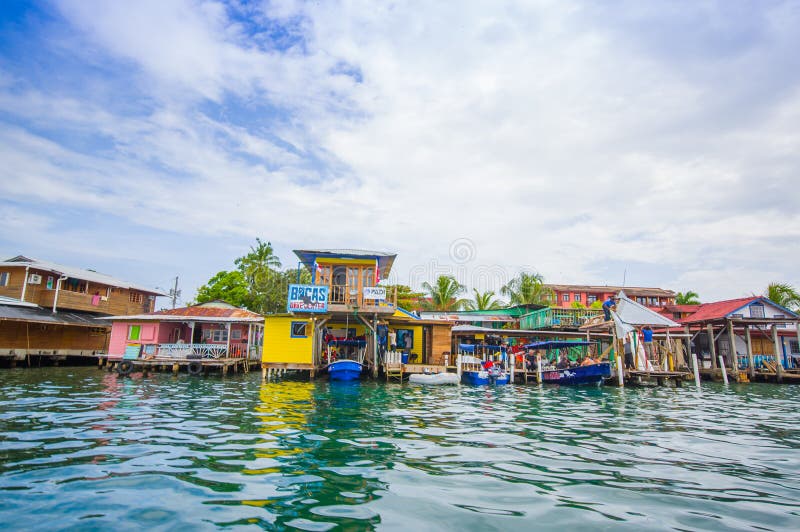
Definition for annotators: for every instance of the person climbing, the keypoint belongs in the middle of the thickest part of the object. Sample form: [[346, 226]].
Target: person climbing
[[609, 305], [647, 337]]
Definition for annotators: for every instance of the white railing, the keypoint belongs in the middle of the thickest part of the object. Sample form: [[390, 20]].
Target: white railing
[[393, 357], [197, 350]]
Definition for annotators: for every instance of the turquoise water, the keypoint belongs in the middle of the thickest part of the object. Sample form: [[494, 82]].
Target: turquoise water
[[83, 449]]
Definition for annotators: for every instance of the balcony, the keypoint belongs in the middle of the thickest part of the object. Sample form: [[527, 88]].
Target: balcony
[[344, 298], [186, 351], [68, 300], [557, 318]]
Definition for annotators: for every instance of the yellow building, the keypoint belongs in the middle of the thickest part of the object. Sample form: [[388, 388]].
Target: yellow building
[[345, 313]]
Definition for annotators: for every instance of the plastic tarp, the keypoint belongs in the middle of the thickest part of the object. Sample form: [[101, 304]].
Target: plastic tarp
[[554, 344], [630, 314]]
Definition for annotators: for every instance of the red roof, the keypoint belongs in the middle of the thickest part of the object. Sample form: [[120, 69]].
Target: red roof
[[681, 308], [717, 310], [209, 310]]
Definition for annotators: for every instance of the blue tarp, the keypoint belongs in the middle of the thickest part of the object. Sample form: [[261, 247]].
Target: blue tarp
[[554, 344], [470, 348], [359, 343]]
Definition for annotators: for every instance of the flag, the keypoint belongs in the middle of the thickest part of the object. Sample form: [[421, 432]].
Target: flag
[[377, 274]]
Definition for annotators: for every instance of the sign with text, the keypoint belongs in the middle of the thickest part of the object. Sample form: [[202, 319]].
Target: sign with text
[[307, 298], [375, 292]]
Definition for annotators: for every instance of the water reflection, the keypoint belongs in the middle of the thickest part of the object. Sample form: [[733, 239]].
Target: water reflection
[[85, 449]]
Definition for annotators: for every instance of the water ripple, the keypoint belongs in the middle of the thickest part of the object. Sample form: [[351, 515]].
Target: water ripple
[[84, 449]]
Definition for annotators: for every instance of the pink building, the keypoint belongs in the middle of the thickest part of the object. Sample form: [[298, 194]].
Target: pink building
[[209, 330], [564, 295]]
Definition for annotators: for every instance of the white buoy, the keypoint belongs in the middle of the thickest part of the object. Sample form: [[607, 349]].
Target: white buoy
[[724, 370], [696, 370]]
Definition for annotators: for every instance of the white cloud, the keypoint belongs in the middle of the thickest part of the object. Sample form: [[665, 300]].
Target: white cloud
[[548, 135]]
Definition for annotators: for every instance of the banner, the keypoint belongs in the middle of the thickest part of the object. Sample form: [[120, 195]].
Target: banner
[[375, 292], [307, 298]]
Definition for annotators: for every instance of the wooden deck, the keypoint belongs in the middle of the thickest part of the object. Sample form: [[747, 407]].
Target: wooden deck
[[655, 378], [182, 365]]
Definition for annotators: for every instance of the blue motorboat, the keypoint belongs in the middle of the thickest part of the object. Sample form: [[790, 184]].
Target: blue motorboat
[[593, 374], [345, 370], [483, 377]]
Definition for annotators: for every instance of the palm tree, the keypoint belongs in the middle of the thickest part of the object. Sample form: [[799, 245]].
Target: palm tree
[[483, 301], [784, 295], [527, 289], [687, 298], [444, 294]]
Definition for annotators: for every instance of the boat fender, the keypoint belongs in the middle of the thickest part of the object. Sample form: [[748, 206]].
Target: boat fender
[[195, 368], [125, 367]]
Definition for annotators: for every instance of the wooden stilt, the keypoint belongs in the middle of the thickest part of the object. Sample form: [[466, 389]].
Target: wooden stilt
[[712, 345], [733, 359], [778, 354]]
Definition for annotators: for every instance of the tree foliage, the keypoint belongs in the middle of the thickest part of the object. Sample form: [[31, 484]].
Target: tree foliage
[[227, 286], [483, 301], [444, 293], [407, 298], [257, 284], [527, 289], [687, 298], [784, 295]]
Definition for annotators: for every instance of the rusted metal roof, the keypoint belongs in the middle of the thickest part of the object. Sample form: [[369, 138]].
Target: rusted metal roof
[[212, 311]]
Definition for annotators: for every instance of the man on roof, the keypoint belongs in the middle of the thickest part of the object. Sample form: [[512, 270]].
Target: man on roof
[[609, 305]]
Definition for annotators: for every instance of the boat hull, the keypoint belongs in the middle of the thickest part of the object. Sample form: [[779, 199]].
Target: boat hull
[[581, 375], [481, 378], [344, 370], [433, 379]]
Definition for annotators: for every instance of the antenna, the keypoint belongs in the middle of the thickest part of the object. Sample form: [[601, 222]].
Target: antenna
[[624, 276]]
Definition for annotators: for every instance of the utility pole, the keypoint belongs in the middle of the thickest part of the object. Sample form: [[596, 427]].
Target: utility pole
[[174, 293]]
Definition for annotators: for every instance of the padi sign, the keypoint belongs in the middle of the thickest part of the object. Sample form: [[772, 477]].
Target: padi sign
[[377, 293], [307, 298]]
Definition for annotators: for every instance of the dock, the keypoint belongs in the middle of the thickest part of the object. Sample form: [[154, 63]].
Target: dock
[[202, 366]]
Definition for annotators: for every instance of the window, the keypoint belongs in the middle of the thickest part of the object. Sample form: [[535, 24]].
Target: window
[[4, 277], [577, 297], [757, 310], [565, 297], [591, 298], [135, 297], [794, 347], [50, 282], [219, 335], [236, 334], [734, 316], [134, 331], [299, 329], [778, 316]]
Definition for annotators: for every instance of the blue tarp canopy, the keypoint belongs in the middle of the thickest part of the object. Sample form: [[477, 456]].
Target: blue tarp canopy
[[359, 343], [470, 348], [554, 344]]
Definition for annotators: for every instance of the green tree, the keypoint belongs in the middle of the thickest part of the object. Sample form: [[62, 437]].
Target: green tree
[[483, 301], [596, 305], [577, 304], [687, 298], [784, 295], [527, 289], [444, 294], [407, 298], [227, 286]]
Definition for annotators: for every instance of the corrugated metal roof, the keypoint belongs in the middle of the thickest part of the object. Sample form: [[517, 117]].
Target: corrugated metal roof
[[630, 290], [47, 316], [385, 259], [633, 313], [76, 273], [211, 311], [16, 302]]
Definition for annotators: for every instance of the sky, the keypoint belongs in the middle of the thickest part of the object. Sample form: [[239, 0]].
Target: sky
[[647, 143]]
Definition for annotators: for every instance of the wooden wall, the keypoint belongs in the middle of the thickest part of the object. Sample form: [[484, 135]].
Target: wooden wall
[[118, 299], [441, 339], [36, 336]]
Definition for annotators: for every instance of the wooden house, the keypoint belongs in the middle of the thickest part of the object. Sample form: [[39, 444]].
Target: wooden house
[[209, 330], [344, 309], [750, 333], [52, 309]]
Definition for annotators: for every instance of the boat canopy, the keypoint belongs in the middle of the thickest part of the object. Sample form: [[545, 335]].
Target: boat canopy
[[554, 344], [470, 348]]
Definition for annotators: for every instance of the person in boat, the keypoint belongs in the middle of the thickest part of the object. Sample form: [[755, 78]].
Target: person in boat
[[609, 305], [588, 361], [487, 364], [563, 362]]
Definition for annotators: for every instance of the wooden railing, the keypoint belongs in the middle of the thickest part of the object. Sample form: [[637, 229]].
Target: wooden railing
[[348, 295], [172, 351]]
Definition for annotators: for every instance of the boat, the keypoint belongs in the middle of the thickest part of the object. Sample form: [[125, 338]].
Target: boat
[[433, 378], [345, 370], [483, 377], [593, 374]]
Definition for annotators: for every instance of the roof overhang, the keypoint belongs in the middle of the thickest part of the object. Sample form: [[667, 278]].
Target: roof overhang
[[308, 257]]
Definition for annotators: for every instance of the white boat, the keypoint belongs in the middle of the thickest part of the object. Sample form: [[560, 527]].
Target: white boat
[[433, 378]]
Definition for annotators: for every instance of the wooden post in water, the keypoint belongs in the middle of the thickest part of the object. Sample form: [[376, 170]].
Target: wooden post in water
[[778, 357], [696, 369], [749, 341], [712, 345], [734, 359], [724, 369], [539, 368]]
